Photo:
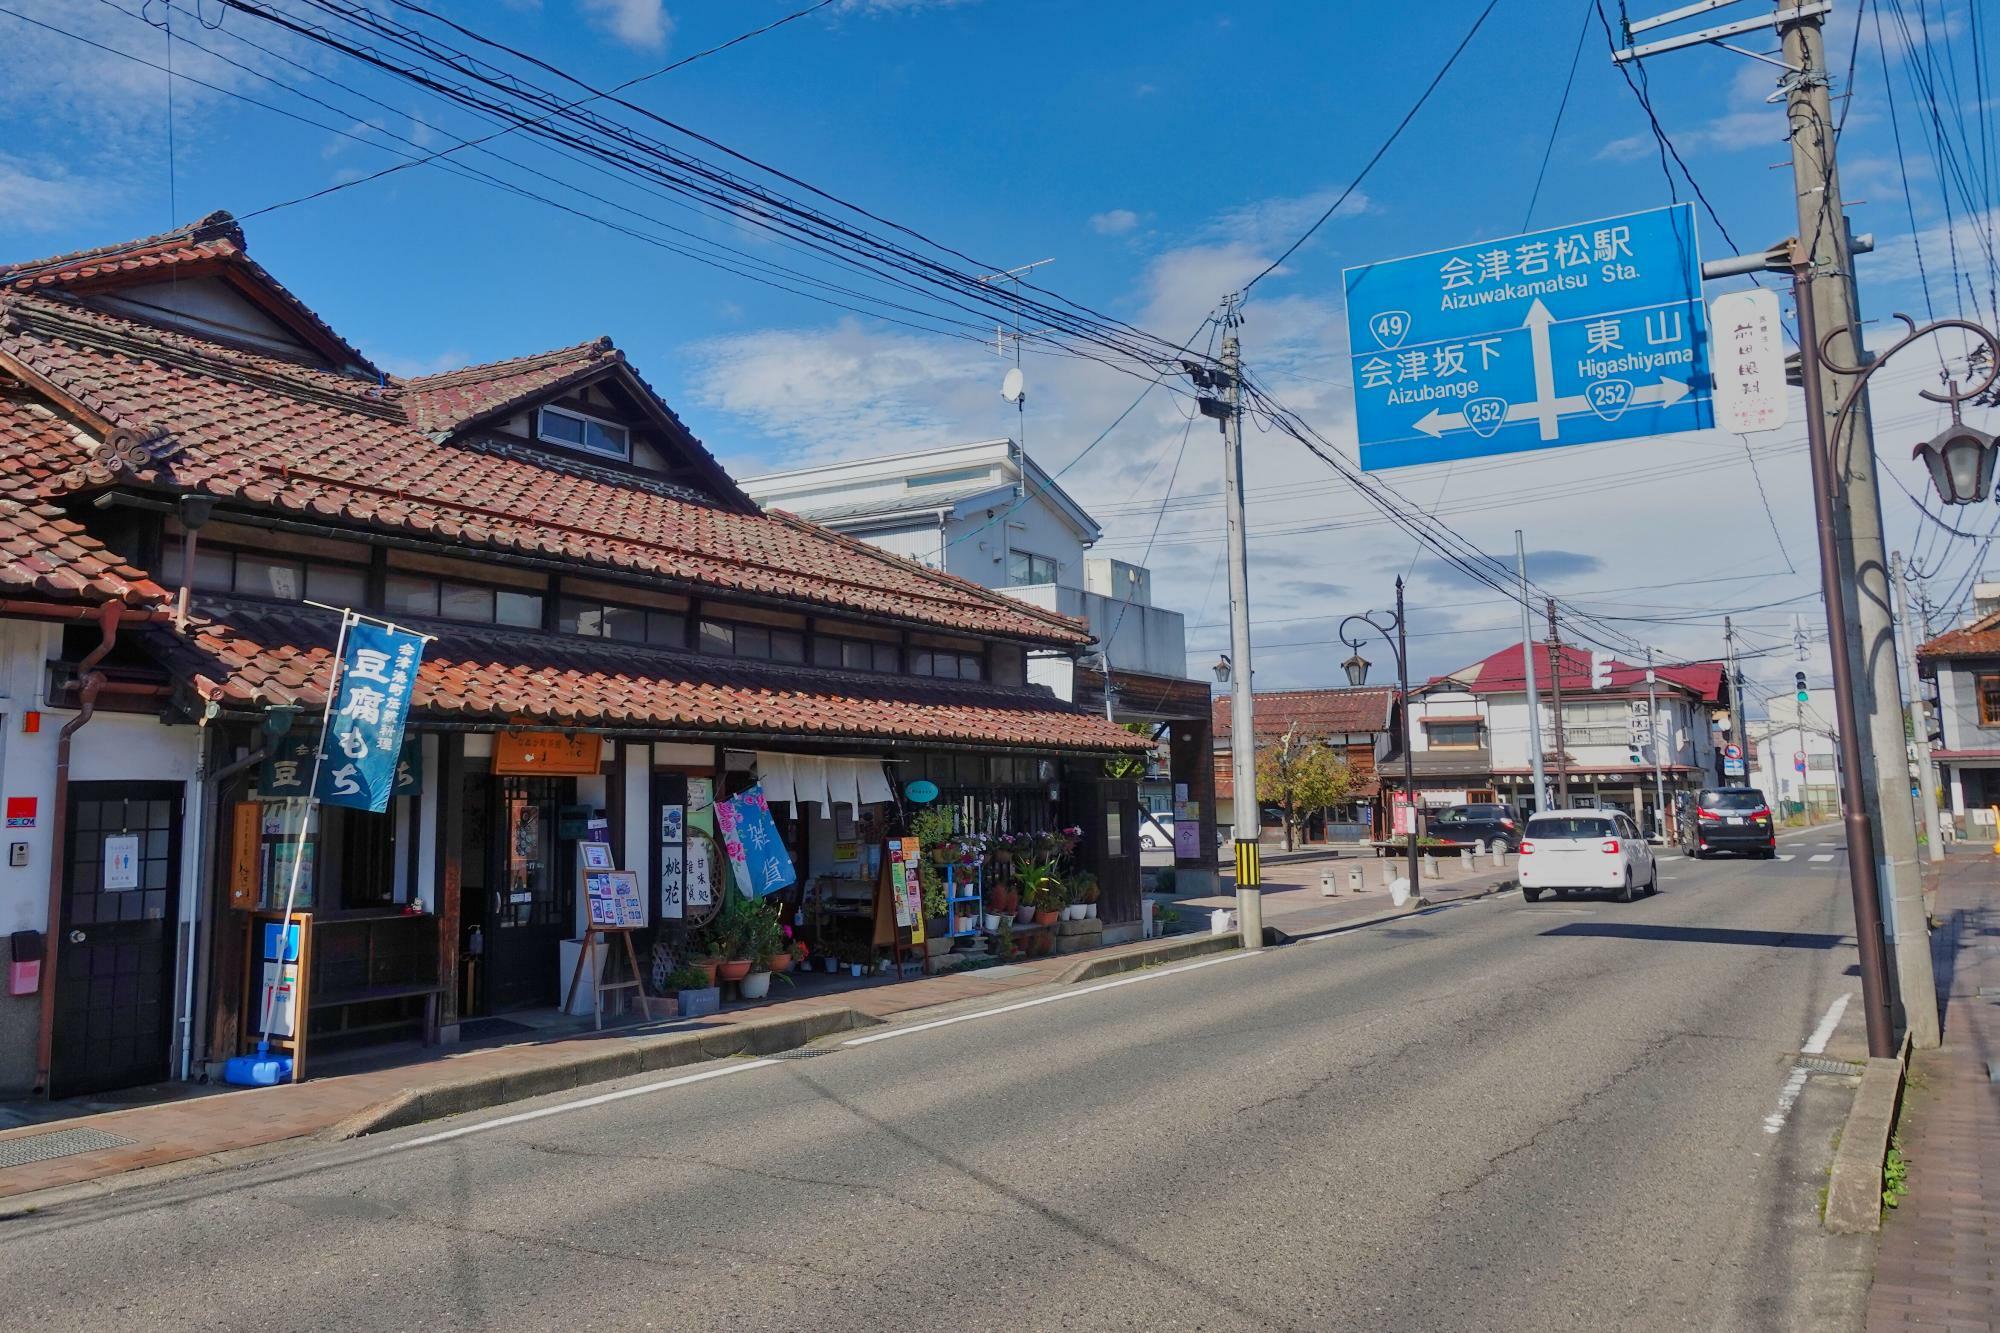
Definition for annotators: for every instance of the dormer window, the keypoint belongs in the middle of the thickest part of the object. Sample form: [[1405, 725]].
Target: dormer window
[[573, 430]]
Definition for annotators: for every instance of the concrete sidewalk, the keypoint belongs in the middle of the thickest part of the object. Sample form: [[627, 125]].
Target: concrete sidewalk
[[211, 1125], [1938, 1261], [1295, 907]]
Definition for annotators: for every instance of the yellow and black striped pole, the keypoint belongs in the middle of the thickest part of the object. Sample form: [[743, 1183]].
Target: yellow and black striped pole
[[1249, 866]]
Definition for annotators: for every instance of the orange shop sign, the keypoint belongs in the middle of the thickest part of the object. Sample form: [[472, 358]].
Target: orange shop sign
[[551, 753]]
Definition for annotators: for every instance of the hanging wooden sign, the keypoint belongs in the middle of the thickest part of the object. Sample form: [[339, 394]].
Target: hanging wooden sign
[[547, 753]]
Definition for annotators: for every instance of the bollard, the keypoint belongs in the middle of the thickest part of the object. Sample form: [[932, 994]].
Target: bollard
[[1354, 880], [1430, 865], [1499, 855], [1388, 870], [1326, 882]]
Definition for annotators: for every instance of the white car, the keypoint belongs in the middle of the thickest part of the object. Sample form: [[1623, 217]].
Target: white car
[[1156, 831], [1586, 851]]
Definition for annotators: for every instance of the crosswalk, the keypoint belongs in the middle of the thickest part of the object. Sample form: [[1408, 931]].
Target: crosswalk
[[1821, 856]]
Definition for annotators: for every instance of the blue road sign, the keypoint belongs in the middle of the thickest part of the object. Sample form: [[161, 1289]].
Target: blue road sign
[[1568, 336]]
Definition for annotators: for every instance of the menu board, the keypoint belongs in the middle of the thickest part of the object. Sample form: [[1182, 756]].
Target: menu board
[[615, 900]]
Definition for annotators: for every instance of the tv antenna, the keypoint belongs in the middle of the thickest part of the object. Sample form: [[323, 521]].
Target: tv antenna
[[1014, 388]]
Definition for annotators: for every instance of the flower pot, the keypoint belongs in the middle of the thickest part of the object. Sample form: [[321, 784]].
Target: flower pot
[[756, 985], [698, 1003], [781, 963], [1090, 911], [1024, 915], [991, 922], [708, 965], [832, 964], [734, 969], [1046, 917], [854, 969]]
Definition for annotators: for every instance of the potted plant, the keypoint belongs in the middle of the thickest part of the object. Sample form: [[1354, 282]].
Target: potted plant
[[1051, 898], [1003, 939], [736, 934], [1086, 891], [695, 991]]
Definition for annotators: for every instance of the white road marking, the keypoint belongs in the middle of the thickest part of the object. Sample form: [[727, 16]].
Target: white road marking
[[1071, 994], [584, 1103], [1817, 857], [1786, 857], [1787, 1097], [1824, 1032]]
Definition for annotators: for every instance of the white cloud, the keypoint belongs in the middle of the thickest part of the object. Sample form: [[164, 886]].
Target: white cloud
[[1114, 222], [637, 23], [41, 198]]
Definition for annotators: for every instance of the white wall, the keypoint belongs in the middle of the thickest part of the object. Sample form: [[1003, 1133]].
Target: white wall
[[978, 543], [1958, 700]]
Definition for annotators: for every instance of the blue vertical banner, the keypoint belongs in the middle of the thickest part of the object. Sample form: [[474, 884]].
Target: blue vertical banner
[[364, 725], [757, 855]]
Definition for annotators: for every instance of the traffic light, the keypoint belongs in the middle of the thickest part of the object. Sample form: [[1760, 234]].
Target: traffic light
[[1799, 680], [1600, 672]]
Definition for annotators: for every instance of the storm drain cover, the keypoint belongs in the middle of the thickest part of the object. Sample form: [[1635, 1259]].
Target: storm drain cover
[[803, 1053], [1820, 1064], [56, 1143]]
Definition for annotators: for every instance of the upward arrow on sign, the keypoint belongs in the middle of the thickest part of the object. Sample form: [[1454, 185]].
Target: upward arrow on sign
[[1608, 398]]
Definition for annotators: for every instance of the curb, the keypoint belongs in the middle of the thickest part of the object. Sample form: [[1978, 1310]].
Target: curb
[[1854, 1184], [1388, 914], [477, 1092], [1170, 950]]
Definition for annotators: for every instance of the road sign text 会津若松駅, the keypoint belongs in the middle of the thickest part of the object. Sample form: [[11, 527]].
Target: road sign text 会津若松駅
[[1573, 335]]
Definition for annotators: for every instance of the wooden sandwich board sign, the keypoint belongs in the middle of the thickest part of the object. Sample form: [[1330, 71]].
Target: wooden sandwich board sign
[[617, 908]]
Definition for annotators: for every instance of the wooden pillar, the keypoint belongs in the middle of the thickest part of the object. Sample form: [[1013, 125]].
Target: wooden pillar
[[451, 853]]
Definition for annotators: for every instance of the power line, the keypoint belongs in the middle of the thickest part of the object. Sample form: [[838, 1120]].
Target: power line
[[1562, 105], [1381, 150]]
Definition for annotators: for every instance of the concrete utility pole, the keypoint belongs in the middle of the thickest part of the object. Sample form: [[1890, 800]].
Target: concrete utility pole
[[1865, 587], [1862, 570], [1528, 673], [1913, 716], [1556, 696], [1739, 723], [1659, 742], [1242, 733]]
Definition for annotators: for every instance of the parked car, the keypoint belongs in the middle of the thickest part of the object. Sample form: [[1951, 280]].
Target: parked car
[[1586, 851], [1467, 824], [1731, 819], [1156, 831]]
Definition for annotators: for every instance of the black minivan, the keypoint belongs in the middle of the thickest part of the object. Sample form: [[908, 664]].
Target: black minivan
[[1731, 819], [1488, 823]]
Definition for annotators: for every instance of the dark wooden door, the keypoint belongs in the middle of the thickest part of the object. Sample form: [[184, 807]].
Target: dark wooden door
[[531, 893], [115, 950]]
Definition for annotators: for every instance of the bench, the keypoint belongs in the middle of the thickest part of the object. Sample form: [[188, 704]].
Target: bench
[[430, 993]]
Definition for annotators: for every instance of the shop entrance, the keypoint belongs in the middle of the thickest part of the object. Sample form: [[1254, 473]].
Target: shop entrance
[[530, 901], [115, 954]]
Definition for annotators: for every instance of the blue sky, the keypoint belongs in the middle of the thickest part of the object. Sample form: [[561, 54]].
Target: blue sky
[[1160, 154]]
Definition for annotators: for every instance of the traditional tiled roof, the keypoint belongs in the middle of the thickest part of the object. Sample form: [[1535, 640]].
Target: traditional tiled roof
[[1314, 712], [1502, 673], [212, 245], [441, 404], [1981, 638], [258, 430], [247, 655], [43, 552]]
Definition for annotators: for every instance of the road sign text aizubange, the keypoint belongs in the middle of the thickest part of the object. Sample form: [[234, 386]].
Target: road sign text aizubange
[[1568, 336]]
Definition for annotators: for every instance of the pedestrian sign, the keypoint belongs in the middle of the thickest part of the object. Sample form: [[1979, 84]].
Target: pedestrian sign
[[1573, 335]]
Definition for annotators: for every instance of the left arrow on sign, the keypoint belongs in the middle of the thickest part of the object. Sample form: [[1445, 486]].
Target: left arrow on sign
[[1665, 393]]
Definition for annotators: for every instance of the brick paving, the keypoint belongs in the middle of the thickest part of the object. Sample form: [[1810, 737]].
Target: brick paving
[[1938, 1261], [197, 1127]]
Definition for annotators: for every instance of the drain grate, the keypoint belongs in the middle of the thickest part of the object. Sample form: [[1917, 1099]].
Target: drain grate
[[56, 1143], [1820, 1064], [803, 1053]]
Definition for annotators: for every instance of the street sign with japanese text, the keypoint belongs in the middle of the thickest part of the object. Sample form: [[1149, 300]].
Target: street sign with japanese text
[[1573, 335], [364, 726], [1749, 359]]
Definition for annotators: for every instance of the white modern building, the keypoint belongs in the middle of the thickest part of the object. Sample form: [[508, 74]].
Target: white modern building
[[988, 513], [1797, 762]]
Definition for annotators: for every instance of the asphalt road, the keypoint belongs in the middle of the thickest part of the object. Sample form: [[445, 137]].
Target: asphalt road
[[1493, 1116]]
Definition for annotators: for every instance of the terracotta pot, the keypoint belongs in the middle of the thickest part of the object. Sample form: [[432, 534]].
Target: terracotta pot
[[708, 965], [1046, 917], [735, 969], [783, 962]]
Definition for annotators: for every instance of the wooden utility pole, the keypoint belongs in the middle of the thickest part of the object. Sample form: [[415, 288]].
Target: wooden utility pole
[[1556, 696]]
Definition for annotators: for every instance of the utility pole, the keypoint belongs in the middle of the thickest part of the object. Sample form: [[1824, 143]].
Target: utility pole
[[1556, 695], [1659, 740], [1739, 722], [1860, 576], [1242, 735], [1917, 728], [1528, 672]]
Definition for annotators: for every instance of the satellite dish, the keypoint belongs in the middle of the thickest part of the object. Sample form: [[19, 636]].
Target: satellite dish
[[1014, 387]]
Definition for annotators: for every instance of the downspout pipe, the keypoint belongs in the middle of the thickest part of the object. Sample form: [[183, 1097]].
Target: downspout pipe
[[90, 681]]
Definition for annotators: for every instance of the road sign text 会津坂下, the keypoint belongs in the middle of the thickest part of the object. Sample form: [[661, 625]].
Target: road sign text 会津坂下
[[1568, 336]]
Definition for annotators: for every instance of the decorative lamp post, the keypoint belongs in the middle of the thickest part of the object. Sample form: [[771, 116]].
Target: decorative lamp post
[[1960, 460], [1395, 635]]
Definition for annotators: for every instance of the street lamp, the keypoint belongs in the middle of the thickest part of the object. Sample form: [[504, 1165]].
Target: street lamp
[[1960, 460], [1356, 667], [1222, 669]]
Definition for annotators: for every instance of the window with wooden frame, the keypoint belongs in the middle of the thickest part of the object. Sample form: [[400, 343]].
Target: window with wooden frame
[[1453, 735], [728, 638], [626, 624], [282, 577], [1987, 688]]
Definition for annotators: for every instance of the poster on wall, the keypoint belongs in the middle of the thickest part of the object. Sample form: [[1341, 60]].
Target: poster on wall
[[673, 889], [673, 825], [913, 881], [700, 820], [121, 862], [701, 876]]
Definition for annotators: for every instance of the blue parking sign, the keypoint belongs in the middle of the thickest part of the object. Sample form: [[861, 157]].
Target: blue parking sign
[[1573, 335]]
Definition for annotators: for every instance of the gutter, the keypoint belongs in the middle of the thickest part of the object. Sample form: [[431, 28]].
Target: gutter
[[90, 681]]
